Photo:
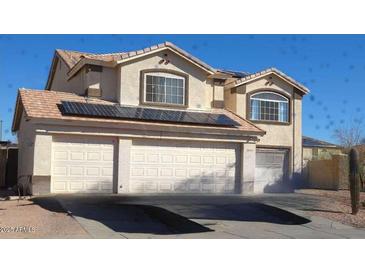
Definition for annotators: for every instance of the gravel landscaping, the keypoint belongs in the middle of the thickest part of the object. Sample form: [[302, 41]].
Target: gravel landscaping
[[27, 219], [336, 206]]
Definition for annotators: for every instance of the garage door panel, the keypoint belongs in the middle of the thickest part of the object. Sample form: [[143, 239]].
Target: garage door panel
[[183, 167], [82, 165], [271, 169], [59, 185]]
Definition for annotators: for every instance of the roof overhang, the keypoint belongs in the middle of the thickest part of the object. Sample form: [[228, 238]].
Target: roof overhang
[[51, 72], [265, 73], [88, 61], [17, 114], [146, 128], [131, 56], [178, 52]]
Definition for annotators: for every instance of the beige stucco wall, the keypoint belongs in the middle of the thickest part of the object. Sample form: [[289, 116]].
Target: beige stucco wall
[[26, 138], [230, 99], [200, 89], [38, 161], [106, 80], [277, 135], [60, 82]]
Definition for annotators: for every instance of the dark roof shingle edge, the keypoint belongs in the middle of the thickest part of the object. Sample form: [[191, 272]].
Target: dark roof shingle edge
[[311, 142]]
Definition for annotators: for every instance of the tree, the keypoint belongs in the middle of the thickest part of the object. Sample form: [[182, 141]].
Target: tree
[[349, 136]]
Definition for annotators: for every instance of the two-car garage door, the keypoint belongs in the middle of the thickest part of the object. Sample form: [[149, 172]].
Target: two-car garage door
[[183, 167], [82, 164]]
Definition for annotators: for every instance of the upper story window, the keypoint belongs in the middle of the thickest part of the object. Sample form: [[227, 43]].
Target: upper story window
[[269, 106], [164, 88]]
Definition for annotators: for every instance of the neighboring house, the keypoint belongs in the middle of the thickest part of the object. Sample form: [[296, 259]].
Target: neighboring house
[[325, 166], [8, 164], [314, 149], [158, 120]]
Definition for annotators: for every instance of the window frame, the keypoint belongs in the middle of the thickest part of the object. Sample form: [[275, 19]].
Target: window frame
[[173, 73], [276, 92]]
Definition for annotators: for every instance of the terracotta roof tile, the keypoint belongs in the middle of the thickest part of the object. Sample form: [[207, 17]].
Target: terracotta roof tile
[[44, 104], [275, 70], [73, 57]]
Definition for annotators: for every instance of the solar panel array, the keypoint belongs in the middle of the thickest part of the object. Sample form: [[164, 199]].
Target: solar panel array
[[147, 114]]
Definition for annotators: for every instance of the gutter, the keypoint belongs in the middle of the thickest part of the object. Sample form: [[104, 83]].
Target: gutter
[[160, 136]]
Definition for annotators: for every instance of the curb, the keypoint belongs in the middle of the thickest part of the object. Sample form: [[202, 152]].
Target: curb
[[323, 221], [13, 198]]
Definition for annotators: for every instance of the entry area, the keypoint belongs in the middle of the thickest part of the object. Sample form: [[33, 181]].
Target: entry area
[[82, 165], [271, 169], [183, 167]]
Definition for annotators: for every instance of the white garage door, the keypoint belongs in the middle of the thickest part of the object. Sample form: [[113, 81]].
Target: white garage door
[[183, 167], [271, 169], [82, 164]]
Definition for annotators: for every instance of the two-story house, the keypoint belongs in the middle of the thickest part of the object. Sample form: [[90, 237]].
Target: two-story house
[[157, 120]]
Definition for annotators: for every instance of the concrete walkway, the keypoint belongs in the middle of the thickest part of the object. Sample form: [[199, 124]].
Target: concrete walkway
[[216, 217]]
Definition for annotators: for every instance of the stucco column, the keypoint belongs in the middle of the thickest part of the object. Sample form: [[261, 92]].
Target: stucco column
[[297, 178], [248, 164], [124, 155], [41, 177]]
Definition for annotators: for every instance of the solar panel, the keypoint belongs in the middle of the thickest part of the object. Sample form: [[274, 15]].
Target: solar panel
[[148, 114]]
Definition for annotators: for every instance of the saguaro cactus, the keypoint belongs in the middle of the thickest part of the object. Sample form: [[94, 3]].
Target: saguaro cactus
[[354, 181]]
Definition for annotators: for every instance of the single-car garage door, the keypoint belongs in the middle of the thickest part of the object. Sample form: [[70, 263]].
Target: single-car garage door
[[271, 169], [82, 164], [183, 167]]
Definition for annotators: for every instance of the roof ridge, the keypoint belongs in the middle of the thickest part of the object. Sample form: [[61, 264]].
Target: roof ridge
[[89, 53]]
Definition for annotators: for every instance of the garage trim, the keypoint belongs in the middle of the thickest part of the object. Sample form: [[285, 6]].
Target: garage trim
[[246, 139]]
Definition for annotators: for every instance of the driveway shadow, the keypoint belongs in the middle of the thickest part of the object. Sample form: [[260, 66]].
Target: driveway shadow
[[246, 212], [166, 218], [127, 218]]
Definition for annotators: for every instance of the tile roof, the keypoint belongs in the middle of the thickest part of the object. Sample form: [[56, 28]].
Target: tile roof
[[270, 70], [44, 104], [311, 142], [73, 57]]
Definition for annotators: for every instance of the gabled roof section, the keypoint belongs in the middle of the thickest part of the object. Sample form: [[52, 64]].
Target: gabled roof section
[[311, 142], [75, 60], [167, 45], [71, 57], [264, 73]]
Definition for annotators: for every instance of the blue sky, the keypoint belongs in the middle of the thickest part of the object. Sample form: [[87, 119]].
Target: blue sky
[[331, 66]]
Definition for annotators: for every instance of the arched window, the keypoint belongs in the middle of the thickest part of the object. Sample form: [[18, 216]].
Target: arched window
[[269, 106]]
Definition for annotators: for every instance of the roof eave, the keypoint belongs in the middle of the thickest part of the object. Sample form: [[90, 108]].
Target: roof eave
[[56, 57], [177, 51], [87, 61], [112, 123], [237, 83], [17, 113]]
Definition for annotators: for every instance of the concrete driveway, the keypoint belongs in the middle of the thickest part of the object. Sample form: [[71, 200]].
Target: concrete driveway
[[216, 217]]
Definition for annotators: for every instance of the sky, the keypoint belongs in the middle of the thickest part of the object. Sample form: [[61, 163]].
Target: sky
[[331, 66]]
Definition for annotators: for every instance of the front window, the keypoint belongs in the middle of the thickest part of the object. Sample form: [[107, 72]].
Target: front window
[[164, 88], [269, 106]]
